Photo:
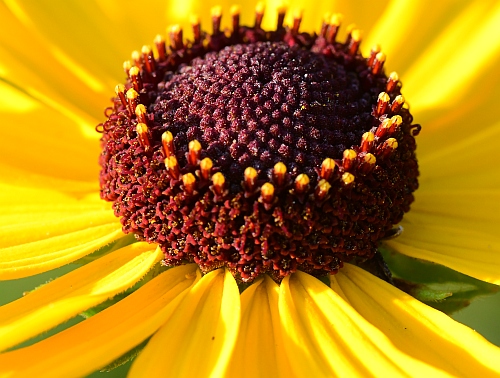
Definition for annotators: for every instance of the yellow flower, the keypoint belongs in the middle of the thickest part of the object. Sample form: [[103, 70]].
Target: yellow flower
[[58, 64]]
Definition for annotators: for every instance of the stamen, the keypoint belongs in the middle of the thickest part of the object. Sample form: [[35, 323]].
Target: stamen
[[175, 34], [335, 22], [235, 15], [206, 168], [136, 57], [382, 104], [218, 181], [136, 78], [148, 58], [259, 14], [368, 163], [349, 28], [189, 182], [367, 141], [167, 141], [196, 25], [132, 100], [279, 173], [378, 63], [301, 183], [249, 182], [194, 152], [354, 41], [397, 104], [126, 66], [172, 167], [396, 121], [387, 147], [120, 92], [348, 159], [216, 18], [373, 53], [348, 178], [325, 25], [322, 190], [327, 168], [267, 192], [297, 19], [140, 112], [392, 82], [143, 135], [161, 47], [281, 16], [384, 128]]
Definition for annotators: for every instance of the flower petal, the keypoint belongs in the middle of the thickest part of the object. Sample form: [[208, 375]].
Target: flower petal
[[97, 341], [325, 337], [74, 292], [416, 329], [259, 349], [57, 230], [197, 341]]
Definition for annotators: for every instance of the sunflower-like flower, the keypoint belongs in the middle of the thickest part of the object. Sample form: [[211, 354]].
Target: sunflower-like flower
[[263, 170]]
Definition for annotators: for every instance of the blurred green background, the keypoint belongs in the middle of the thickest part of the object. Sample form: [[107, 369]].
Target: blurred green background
[[482, 315]]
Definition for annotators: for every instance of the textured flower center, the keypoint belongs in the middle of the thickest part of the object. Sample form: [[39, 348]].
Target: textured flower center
[[265, 152]]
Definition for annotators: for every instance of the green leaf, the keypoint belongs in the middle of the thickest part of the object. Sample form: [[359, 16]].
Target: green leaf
[[434, 284]]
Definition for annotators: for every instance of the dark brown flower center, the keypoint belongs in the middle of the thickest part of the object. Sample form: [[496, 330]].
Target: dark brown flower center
[[259, 151]]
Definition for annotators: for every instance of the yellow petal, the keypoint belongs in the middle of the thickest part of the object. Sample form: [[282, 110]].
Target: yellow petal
[[417, 329], [325, 337], [74, 292], [259, 349], [198, 339], [35, 238], [99, 340]]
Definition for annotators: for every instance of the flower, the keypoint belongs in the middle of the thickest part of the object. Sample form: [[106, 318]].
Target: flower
[[53, 90]]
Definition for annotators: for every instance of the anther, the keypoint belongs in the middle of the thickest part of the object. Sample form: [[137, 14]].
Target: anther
[[392, 82], [348, 159], [368, 163], [397, 104], [354, 41], [322, 189], [250, 177], [148, 58], [297, 19], [373, 53], [279, 173], [367, 141], [206, 168], [235, 16], [396, 122], [132, 100], [172, 167], [259, 14], [335, 22], [136, 57], [175, 35], [281, 16], [194, 148], [267, 192], [382, 104], [140, 112], [383, 128], [136, 78], [189, 182], [216, 17], [325, 25], [378, 63], [387, 147], [167, 141], [347, 178], [196, 25], [218, 181], [143, 135], [327, 168], [120, 92], [301, 183], [127, 65], [161, 47], [349, 28]]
